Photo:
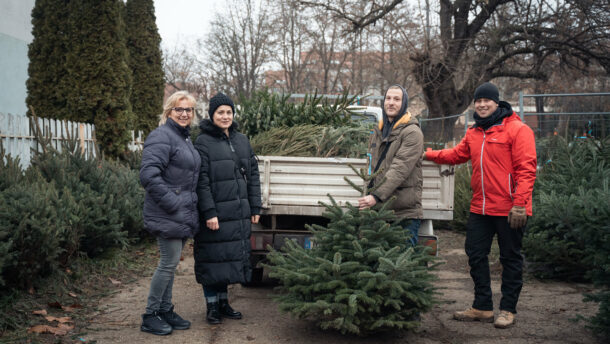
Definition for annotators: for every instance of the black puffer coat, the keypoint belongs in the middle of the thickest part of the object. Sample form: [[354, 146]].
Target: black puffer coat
[[223, 256], [169, 173]]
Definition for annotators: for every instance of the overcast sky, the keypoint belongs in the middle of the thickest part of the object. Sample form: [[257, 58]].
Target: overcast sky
[[183, 21]]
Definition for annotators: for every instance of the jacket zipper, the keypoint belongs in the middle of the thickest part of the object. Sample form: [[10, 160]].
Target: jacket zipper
[[510, 187], [482, 184], [194, 214]]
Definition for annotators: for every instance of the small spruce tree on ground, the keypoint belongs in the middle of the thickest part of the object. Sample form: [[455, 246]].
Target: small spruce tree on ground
[[360, 277]]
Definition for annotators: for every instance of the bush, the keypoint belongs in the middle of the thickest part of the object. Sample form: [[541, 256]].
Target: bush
[[269, 110]]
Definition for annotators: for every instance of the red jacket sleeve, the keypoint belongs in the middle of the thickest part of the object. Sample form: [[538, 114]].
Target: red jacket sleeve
[[452, 156], [524, 164]]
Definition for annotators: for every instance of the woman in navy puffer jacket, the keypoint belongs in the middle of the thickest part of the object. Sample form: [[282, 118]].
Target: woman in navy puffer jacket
[[169, 174], [229, 201]]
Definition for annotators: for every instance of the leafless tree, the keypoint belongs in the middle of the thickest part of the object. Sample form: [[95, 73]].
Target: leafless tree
[[239, 46], [325, 60], [478, 40], [293, 45], [184, 70]]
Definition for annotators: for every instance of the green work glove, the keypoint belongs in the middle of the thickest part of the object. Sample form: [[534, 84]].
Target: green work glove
[[517, 217]]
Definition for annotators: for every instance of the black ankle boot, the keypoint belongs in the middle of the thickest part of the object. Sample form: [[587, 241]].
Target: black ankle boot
[[213, 313], [154, 323], [175, 321], [227, 312]]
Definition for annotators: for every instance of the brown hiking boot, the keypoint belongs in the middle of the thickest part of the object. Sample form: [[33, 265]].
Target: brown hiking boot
[[473, 314], [504, 320]]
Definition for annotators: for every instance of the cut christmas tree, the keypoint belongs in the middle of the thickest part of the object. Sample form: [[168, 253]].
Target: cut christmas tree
[[362, 275]]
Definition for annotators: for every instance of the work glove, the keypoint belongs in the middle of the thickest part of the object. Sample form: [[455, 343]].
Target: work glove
[[517, 217]]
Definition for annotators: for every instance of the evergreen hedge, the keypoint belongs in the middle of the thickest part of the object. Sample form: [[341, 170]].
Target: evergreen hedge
[[47, 68], [82, 70], [99, 79], [143, 42]]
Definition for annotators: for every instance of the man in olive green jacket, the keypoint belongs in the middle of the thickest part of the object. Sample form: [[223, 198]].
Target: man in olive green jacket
[[396, 147]]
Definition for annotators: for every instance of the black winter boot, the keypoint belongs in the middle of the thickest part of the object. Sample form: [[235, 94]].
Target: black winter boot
[[227, 312], [154, 323], [175, 321], [213, 313]]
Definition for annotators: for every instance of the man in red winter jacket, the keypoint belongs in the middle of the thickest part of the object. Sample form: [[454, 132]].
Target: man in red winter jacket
[[503, 155]]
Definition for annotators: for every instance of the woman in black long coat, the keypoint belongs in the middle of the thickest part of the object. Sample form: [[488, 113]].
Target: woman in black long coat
[[229, 201], [169, 173]]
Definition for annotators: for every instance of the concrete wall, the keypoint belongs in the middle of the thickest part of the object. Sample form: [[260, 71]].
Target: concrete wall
[[15, 35]]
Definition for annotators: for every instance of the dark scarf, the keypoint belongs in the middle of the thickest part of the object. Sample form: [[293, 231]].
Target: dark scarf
[[184, 131], [504, 110], [207, 126], [387, 125]]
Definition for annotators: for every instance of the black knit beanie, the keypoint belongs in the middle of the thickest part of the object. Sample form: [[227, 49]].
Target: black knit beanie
[[487, 90], [218, 100]]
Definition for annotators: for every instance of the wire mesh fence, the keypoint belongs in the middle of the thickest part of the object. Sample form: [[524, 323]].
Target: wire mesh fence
[[571, 116]]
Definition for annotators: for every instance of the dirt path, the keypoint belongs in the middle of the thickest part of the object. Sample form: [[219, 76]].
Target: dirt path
[[545, 312]]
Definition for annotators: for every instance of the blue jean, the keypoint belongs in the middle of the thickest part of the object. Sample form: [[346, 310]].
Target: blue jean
[[412, 225], [211, 292], [160, 294]]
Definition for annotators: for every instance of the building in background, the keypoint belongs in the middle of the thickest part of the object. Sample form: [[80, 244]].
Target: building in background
[[15, 35]]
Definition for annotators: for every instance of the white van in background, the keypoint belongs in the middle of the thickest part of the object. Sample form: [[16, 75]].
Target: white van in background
[[367, 114]]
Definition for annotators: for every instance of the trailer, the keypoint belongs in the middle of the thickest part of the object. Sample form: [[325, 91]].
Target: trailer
[[292, 187]]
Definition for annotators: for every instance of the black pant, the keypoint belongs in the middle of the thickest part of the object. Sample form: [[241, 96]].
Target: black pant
[[479, 235]]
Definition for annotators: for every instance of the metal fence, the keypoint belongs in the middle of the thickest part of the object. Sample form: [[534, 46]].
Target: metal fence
[[570, 115], [18, 137]]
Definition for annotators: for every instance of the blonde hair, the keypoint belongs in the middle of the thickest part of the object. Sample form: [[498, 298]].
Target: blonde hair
[[170, 103]]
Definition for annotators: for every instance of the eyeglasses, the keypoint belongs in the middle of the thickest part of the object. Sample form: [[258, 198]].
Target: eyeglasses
[[180, 110]]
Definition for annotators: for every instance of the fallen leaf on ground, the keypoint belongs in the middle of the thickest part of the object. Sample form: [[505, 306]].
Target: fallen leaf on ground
[[62, 320], [71, 308], [60, 330], [114, 282], [40, 312]]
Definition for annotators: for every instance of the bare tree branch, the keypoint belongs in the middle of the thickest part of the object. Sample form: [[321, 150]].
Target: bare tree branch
[[358, 22]]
